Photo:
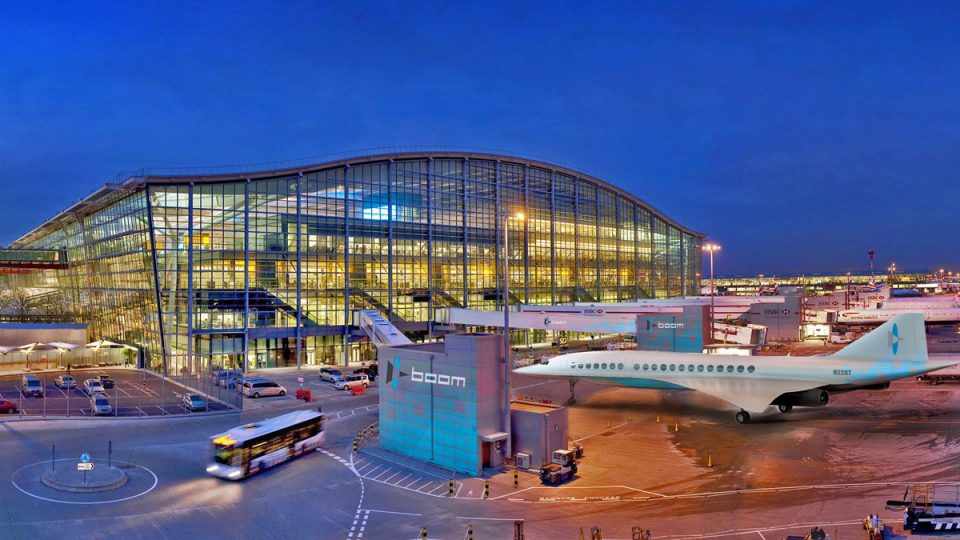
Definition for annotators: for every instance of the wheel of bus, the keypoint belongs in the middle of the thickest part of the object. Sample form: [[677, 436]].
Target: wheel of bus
[[743, 417], [784, 408]]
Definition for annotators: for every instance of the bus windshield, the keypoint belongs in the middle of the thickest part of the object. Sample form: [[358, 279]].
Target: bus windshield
[[223, 454]]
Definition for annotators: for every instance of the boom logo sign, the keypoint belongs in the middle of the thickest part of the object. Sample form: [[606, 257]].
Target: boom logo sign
[[394, 373], [440, 379]]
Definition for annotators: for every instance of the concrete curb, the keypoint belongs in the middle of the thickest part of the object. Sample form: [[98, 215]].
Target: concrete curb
[[48, 480]]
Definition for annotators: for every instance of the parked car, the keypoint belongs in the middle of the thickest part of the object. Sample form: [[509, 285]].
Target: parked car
[[106, 381], [370, 371], [30, 386], [7, 406], [65, 382], [330, 374], [262, 388], [354, 379], [92, 386], [100, 404], [194, 402]]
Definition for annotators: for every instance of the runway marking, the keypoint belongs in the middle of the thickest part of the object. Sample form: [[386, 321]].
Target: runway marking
[[652, 493], [620, 425], [762, 537], [479, 518]]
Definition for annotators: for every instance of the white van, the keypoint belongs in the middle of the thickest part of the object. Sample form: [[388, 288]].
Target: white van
[[352, 380], [262, 388], [30, 386]]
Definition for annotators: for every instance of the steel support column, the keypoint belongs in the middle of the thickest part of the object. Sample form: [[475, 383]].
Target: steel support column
[[299, 336], [466, 262], [190, 358], [390, 212], [246, 274], [156, 281], [346, 265]]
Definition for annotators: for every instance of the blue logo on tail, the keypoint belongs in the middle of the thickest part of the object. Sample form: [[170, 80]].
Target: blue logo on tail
[[895, 339]]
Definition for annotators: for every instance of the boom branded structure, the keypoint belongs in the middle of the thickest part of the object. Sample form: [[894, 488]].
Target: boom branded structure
[[236, 270]]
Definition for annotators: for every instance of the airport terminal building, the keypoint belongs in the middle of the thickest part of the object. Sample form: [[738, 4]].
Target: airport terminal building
[[237, 269]]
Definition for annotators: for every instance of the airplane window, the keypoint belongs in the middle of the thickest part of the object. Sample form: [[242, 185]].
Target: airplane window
[[579, 366], [653, 367], [646, 367], [700, 368], [751, 369], [710, 368], [673, 367], [729, 369], [739, 369], [603, 366], [636, 367], [663, 367], [681, 367], [619, 366], [596, 366]]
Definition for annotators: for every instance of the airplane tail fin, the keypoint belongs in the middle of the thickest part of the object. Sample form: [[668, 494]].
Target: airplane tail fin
[[903, 337]]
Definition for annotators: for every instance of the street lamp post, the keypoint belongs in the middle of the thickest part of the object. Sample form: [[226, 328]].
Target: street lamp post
[[507, 363], [711, 248]]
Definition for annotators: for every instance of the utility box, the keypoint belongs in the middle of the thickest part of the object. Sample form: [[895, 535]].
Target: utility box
[[538, 430]]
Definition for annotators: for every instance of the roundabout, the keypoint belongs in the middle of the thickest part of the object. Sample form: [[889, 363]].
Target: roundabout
[[60, 482]]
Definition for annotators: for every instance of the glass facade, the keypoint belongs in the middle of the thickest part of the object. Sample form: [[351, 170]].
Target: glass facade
[[235, 270]]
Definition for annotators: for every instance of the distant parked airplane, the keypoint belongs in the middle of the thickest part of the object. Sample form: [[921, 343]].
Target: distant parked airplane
[[894, 350]]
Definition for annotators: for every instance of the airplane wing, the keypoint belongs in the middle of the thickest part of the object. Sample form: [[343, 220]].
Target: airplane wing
[[751, 395]]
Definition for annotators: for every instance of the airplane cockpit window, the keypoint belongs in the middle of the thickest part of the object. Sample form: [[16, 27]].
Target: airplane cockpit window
[[751, 369]]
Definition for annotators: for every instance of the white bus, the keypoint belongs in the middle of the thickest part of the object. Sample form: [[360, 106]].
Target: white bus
[[248, 449]]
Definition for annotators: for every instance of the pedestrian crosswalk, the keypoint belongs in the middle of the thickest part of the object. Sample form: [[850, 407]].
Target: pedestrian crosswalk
[[398, 476]]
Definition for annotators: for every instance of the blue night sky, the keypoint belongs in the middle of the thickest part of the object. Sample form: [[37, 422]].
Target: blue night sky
[[797, 134]]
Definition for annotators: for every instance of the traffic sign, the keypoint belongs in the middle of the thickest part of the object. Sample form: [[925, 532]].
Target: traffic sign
[[85, 457], [84, 466]]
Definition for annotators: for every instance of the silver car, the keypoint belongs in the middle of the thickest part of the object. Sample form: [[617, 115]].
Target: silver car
[[92, 387], [99, 404]]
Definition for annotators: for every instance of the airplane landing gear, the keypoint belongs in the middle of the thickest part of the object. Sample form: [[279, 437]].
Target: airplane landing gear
[[743, 417], [784, 408], [573, 398]]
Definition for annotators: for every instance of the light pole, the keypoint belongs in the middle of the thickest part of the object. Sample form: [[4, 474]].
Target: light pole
[[507, 363], [711, 248]]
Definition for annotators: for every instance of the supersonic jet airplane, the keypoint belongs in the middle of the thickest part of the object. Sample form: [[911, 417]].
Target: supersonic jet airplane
[[895, 350]]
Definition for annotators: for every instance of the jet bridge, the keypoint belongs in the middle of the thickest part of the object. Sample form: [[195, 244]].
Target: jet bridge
[[380, 330]]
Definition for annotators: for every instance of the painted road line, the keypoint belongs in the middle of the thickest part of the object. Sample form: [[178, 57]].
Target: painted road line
[[620, 425], [391, 512], [385, 471], [402, 479]]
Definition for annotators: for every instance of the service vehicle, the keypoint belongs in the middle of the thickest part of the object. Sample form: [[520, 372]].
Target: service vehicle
[[65, 382], [7, 407], [356, 379], [194, 402], [261, 388], [30, 386], [93, 386], [330, 374], [106, 381], [562, 467], [100, 404], [248, 449]]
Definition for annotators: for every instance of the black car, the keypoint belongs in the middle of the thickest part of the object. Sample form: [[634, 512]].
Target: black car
[[106, 381]]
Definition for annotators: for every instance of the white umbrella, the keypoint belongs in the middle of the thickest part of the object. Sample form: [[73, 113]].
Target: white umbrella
[[106, 344], [35, 346], [62, 348]]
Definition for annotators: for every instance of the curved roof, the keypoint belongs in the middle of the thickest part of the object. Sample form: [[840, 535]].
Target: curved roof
[[110, 192]]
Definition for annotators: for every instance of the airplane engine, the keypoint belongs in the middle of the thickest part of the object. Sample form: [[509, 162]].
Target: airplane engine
[[809, 398]]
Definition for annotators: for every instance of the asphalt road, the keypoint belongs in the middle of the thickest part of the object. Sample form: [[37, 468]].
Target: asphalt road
[[781, 475]]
